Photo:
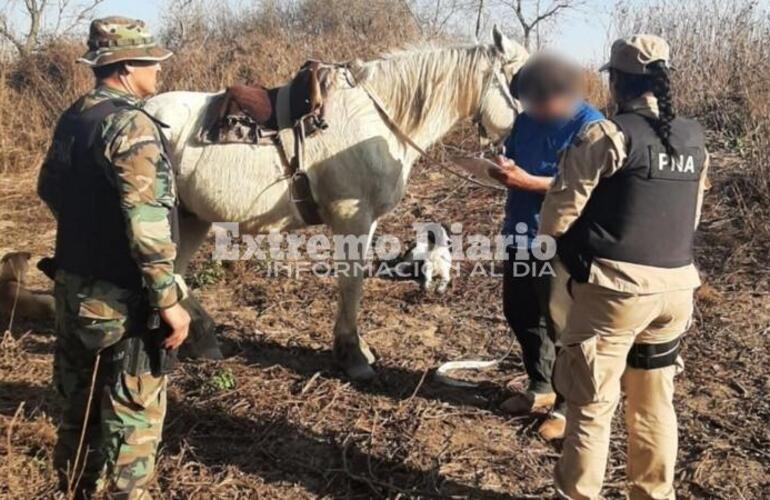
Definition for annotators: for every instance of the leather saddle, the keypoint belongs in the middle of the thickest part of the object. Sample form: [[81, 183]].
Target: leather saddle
[[282, 117], [255, 115]]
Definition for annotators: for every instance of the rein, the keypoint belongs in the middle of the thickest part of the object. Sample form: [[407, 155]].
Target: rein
[[442, 374], [403, 136]]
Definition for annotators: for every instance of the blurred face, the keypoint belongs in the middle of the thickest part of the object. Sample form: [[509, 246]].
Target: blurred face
[[558, 107], [144, 77]]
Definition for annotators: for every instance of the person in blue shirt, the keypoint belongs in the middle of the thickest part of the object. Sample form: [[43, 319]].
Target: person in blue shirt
[[550, 89]]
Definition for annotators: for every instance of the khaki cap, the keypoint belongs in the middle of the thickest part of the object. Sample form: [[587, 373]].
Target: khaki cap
[[114, 39], [634, 54]]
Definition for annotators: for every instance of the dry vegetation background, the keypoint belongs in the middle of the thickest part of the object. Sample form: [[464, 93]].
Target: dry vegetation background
[[276, 420]]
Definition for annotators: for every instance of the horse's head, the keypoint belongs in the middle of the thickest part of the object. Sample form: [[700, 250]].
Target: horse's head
[[498, 108]]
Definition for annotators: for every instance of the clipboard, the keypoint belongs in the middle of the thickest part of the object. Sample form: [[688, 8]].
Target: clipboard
[[478, 168]]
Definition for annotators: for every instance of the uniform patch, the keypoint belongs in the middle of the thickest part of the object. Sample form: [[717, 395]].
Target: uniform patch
[[681, 166]]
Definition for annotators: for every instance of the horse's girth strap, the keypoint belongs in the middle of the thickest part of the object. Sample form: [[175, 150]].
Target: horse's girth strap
[[291, 138], [285, 125]]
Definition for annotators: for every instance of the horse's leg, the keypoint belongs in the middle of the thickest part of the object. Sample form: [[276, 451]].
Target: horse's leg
[[351, 351], [201, 342], [192, 232]]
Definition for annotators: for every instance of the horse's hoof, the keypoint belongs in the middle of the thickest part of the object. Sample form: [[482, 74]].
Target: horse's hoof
[[355, 360], [360, 373]]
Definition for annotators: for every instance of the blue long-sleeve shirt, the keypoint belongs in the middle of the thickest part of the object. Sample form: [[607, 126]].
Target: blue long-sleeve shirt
[[535, 146]]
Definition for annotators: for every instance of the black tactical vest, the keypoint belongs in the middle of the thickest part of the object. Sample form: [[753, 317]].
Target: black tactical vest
[[91, 238], [645, 212]]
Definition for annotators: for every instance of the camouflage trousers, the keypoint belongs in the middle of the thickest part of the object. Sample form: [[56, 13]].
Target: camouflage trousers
[[126, 414]]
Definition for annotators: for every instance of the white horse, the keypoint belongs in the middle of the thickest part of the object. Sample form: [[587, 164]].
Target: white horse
[[358, 168]]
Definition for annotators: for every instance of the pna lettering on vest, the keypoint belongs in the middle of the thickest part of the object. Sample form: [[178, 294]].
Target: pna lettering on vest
[[682, 163]]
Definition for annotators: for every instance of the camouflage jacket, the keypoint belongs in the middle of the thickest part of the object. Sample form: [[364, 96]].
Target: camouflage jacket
[[135, 163]]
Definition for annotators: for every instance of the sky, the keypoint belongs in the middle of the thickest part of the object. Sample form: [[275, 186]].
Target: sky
[[584, 36]]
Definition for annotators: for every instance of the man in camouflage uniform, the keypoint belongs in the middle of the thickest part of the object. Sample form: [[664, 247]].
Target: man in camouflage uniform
[[108, 180]]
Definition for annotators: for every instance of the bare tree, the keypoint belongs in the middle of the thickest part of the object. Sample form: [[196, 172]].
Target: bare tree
[[532, 14], [182, 21], [410, 10], [440, 17], [65, 16], [478, 18]]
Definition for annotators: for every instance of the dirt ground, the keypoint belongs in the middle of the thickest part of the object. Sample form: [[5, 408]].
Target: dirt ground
[[276, 419]]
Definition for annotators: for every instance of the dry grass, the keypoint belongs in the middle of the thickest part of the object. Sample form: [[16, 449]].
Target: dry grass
[[293, 427], [722, 77]]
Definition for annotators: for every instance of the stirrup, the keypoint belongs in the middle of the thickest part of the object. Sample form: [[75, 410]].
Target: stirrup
[[294, 189]]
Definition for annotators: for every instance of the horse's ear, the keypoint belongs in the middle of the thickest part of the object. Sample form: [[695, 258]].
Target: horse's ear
[[500, 39], [509, 49]]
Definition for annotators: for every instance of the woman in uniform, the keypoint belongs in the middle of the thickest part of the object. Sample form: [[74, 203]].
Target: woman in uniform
[[624, 208]]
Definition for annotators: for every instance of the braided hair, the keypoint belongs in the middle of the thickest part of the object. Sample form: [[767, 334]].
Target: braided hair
[[658, 82]]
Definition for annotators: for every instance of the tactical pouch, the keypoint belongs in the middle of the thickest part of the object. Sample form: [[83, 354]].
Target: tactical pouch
[[143, 353], [163, 361], [167, 361], [133, 356]]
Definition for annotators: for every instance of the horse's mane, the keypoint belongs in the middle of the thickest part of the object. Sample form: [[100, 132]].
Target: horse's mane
[[421, 81]]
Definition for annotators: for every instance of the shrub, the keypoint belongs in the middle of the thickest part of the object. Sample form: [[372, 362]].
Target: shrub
[[722, 77]]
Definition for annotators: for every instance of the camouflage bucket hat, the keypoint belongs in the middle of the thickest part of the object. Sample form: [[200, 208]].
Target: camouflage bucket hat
[[114, 39], [634, 54]]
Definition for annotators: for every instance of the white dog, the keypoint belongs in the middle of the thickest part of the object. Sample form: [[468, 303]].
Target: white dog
[[428, 261]]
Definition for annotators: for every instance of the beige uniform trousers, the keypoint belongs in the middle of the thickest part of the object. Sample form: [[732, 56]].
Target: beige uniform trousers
[[601, 327]]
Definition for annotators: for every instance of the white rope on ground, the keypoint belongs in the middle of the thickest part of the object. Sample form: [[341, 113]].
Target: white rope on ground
[[443, 376], [15, 298]]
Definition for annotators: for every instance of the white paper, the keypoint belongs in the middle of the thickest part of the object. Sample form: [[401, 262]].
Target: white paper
[[478, 168]]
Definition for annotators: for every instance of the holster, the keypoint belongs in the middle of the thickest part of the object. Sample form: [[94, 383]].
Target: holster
[[163, 360], [141, 352], [132, 356]]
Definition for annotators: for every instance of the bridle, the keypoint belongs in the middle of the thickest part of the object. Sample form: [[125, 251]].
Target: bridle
[[496, 76]]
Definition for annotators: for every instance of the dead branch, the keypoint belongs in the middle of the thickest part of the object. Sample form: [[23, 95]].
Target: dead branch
[[531, 15], [66, 17]]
